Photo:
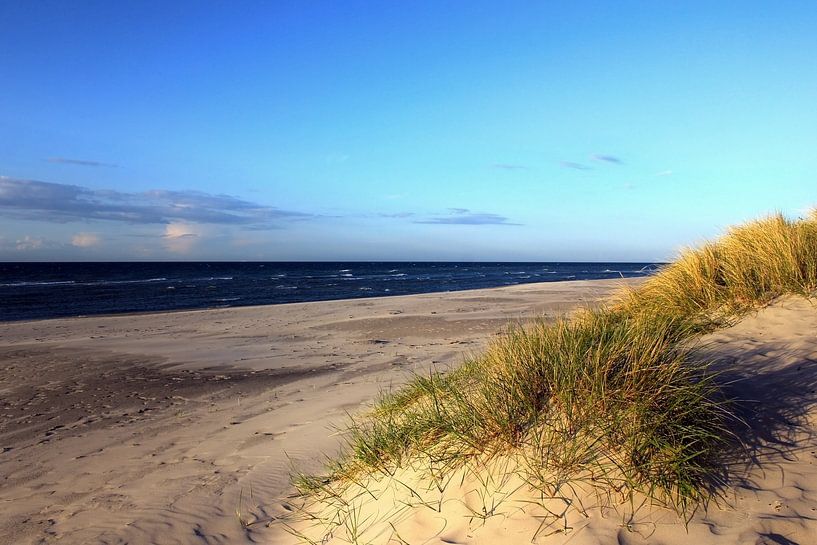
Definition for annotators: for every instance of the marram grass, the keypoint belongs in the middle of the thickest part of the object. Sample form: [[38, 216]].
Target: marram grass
[[613, 393]]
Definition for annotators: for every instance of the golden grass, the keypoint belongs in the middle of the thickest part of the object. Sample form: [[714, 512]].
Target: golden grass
[[613, 392]]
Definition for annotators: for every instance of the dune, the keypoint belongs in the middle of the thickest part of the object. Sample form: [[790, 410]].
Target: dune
[[652, 418], [769, 360]]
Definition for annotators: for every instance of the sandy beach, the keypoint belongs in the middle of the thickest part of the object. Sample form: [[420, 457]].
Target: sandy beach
[[179, 427], [169, 428], [390, 273]]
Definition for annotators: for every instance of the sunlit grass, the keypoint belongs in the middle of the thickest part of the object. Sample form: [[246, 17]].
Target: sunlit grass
[[613, 392]]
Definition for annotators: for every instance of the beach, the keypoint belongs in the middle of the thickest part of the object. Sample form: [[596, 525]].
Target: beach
[[184, 427], [177, 427], [361, 273]]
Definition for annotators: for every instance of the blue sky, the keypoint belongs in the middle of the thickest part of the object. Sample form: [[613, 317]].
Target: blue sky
[[399, 130]]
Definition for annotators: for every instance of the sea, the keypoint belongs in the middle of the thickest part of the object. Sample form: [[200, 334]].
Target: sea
[[49, 290]]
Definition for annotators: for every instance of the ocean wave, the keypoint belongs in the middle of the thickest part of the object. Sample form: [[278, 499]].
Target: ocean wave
[[94, 283], [116, 282], [23, 284], [154, 280]]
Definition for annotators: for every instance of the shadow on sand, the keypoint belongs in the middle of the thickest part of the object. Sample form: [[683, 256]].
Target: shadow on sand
[[771, 391]]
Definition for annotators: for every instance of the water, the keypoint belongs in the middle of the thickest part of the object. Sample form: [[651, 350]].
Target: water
[[49, 290]]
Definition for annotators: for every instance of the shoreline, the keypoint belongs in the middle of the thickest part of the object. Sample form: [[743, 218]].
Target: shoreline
[[205, 406], [623, 280]]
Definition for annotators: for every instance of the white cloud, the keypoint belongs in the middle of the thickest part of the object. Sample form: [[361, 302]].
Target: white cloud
[[180, 237], [85, 240], [29, 243]]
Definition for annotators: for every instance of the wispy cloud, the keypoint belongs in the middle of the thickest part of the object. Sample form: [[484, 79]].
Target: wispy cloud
[[664, 173], [607, 159], [573, 165], [181, 237], [62, 203], [79, 162], [463, 216], [508, 166], [398, 215], [23, 244], [85, 240], [28, 243]]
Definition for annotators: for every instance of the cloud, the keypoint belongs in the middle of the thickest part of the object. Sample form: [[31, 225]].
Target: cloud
[[61, 203], [85, 240], [397, 215], [577, 166], [664, 173], [508, 166], [80, 162], [607, 159], [463, 216], [29, 243], [181, 237]]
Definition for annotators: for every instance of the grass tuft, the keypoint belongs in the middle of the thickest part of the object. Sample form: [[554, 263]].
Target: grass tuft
[[612, 396]]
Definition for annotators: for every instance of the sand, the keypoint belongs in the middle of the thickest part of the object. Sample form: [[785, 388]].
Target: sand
[[173, 427], [178, 427], [768, 360]]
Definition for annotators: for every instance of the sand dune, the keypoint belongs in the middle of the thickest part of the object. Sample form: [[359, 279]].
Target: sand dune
[[168, 428], [768, 360]]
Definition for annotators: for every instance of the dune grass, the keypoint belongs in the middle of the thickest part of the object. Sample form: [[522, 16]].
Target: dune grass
[[614, 393]]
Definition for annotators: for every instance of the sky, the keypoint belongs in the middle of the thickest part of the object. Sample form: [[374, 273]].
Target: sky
[[440, 130]]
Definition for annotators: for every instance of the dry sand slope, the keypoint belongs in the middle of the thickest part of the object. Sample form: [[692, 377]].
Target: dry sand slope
[[768, 360], [159, 428]]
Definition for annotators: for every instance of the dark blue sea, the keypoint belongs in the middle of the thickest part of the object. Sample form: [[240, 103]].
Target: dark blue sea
[[48, 290]]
